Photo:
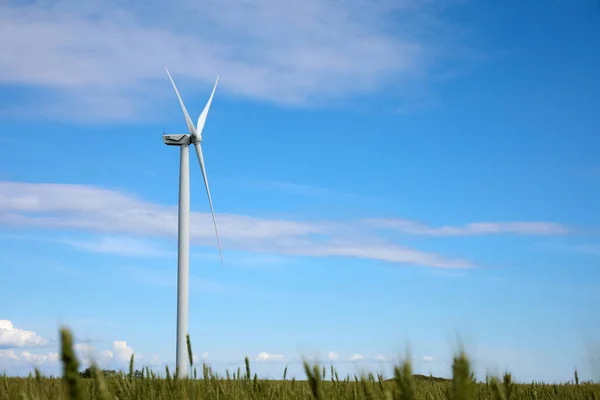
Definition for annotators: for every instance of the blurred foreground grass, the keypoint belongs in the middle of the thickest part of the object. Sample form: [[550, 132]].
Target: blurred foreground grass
[[146, 385]]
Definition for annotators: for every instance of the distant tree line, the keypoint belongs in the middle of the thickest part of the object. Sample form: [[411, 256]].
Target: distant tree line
[[88, 373]]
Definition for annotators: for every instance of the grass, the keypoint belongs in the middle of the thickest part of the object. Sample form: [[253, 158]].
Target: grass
[[146, 385]]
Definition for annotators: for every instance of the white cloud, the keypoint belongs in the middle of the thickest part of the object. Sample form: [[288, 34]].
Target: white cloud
[[107, 354], [84, 347], [202, 357], [11, 337], [26, 358], [85, 352], [357, 357], [380, 357], [38, 359], [474, 229], [102, 56], [427, 358], [8, 355], [15, 337], [94, 209], [153, 360], [122, 352], [333, 356], [269, 357]]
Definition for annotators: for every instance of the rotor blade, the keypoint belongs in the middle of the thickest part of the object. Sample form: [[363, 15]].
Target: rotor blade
[[188, 120], [212, 210], [202, 117]]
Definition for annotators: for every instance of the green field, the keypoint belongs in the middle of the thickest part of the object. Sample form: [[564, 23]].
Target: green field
[[322, 383]]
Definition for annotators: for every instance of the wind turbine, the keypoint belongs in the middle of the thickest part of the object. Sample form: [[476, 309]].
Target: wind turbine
[[183, 240]]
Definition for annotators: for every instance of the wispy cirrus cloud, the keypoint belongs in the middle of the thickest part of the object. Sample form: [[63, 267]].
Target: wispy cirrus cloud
[[99, 57], [93, 209], [588, 248], [109, 212], [119, 245], [474, 229]]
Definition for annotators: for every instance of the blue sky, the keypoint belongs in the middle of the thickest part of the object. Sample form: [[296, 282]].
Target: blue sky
[[385, 174]]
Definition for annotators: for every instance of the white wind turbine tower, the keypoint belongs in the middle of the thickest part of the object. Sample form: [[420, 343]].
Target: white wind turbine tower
[[183, 241]]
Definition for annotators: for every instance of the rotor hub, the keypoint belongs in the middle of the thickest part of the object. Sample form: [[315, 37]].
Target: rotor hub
[[197, 138]]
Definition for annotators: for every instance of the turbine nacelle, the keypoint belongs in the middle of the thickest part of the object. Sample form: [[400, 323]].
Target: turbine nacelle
[[177, 139]]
